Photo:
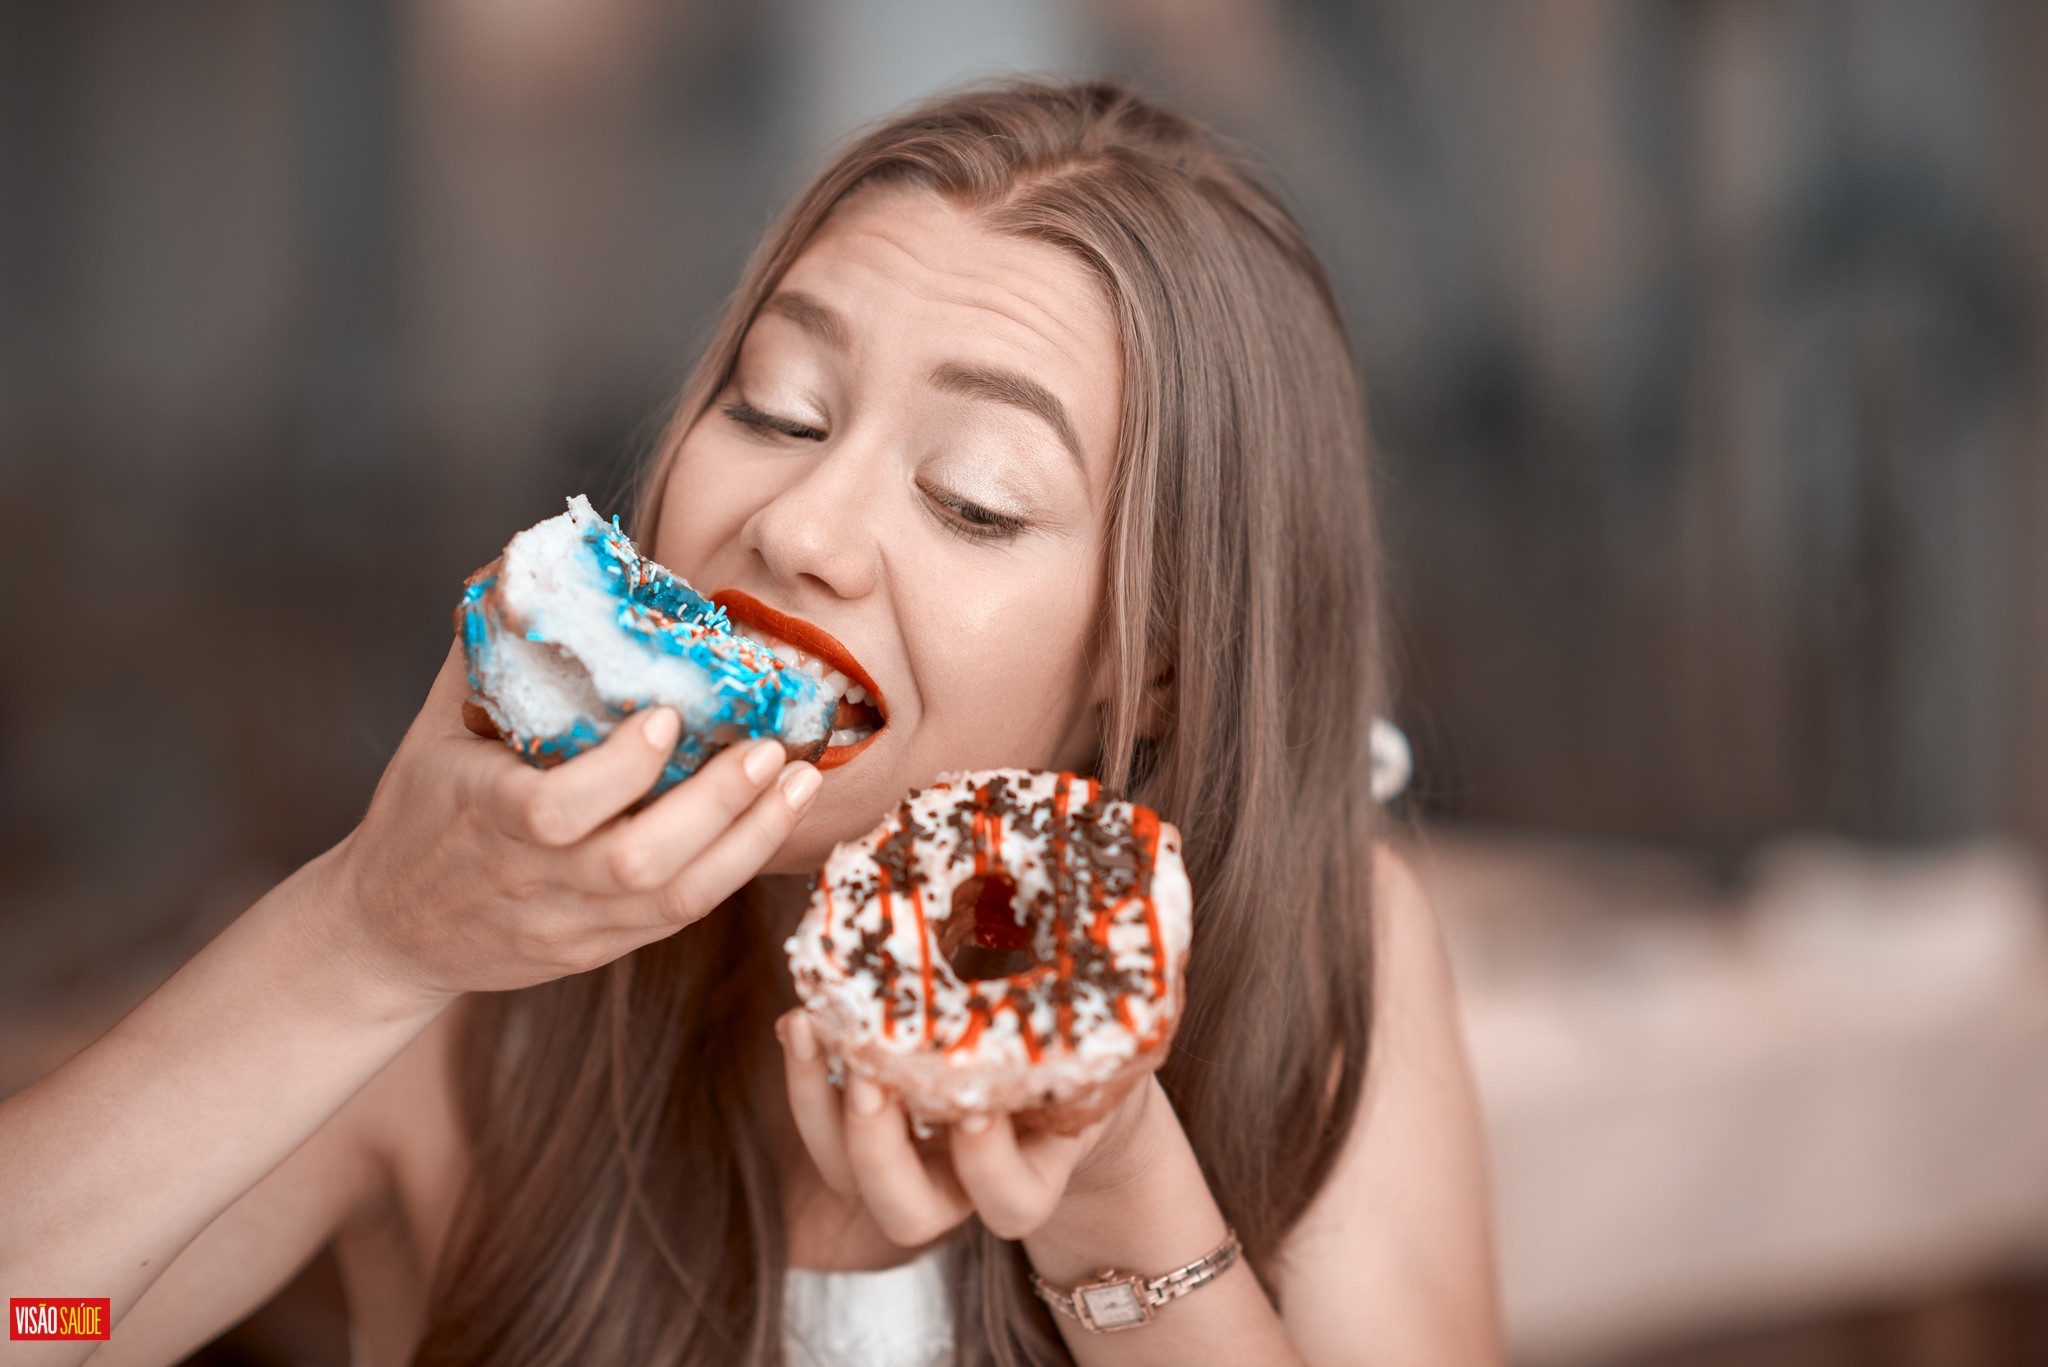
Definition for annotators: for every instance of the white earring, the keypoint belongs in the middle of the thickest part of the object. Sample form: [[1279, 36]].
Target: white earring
[[1392, 760]]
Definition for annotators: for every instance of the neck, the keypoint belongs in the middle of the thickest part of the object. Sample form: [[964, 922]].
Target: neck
[[774, 903]]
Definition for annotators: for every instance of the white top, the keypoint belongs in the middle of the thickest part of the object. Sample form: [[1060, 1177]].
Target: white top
[[898, 1317]]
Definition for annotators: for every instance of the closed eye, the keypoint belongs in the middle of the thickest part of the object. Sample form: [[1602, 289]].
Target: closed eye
[[970, 519], [748, 416]]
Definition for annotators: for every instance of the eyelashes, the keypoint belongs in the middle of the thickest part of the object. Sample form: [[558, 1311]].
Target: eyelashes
[[963, 517], [748, 416], [971, 520]]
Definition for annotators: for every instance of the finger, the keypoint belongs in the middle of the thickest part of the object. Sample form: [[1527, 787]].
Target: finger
[[646, 849], [813, 1101], [913, 1201], [560, 806], [741, 851], [1014, 1185]]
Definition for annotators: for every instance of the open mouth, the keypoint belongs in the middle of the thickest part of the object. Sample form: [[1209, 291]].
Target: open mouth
[[861, 713]]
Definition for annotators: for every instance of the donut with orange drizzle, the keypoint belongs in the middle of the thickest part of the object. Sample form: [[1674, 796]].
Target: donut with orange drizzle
[[1006, 940]]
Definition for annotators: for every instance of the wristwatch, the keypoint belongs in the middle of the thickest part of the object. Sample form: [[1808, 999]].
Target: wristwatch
[[1125, 1300]]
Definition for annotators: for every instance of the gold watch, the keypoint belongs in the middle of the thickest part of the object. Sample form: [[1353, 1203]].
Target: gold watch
[[1127, 1300]]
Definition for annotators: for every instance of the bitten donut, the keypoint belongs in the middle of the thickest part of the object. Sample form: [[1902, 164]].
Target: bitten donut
[[571, 630], [1006, 940]]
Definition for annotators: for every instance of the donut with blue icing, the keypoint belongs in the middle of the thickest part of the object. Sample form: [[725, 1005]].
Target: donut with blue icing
[[571, 630]]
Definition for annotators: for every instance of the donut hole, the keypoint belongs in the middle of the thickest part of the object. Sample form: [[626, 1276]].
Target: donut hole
[[980, 938]]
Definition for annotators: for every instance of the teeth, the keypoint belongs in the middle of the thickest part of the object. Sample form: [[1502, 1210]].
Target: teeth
[[852, 735], [833, 681]]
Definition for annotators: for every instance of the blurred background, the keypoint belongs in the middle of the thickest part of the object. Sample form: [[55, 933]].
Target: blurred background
[[1704, 342]]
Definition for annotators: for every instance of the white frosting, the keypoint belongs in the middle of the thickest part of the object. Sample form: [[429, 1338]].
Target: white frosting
[[950, 1046], [565, 658]]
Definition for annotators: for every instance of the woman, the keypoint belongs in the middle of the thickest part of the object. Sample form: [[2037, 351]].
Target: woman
[[1040, 406]]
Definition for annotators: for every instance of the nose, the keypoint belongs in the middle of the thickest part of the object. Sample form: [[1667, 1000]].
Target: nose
[[821, 527]]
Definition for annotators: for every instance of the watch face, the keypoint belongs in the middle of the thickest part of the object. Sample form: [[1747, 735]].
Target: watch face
[[1113, 1305]]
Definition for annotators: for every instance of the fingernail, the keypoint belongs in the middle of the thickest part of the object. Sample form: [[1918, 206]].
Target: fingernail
[[864, 1097], [762, 760], [976, 1123], [662, 728], [802, 1042], [800, 784]]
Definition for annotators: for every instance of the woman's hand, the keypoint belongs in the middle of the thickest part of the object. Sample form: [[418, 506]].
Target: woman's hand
[[472, 870], [861, 1143], [1127, 1192]]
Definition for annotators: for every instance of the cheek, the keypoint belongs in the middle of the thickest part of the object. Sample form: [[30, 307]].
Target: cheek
[[1005, 662]]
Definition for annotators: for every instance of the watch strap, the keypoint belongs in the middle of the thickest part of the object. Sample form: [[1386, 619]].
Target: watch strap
[[1148, 1294]]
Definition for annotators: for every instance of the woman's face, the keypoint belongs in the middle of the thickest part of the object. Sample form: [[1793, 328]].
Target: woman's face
[[913, 458]]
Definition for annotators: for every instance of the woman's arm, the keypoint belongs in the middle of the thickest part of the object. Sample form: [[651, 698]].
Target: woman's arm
[[1149, 1213], [343, 1178], [118, 1159], [470, 871], [379, 1182]]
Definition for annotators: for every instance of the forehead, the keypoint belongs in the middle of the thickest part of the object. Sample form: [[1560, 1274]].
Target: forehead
[[924, 284]]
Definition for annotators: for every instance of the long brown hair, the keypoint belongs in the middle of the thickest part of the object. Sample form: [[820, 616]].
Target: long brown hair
[[624, 1203]]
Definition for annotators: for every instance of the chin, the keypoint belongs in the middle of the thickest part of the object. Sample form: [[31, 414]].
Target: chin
[[802, 854], [858, 795]]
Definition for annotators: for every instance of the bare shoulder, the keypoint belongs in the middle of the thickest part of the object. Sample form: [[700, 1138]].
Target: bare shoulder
[[1393, 1261]]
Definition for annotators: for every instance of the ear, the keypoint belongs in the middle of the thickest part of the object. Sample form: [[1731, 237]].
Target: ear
[[1155, 709], [1078, 749], [1156, 714]]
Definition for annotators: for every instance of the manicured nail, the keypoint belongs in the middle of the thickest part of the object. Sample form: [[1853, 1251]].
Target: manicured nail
[[802, 1042], [800, 784], [864, 1097], [661, 729], [762, 759], [977, 1123]]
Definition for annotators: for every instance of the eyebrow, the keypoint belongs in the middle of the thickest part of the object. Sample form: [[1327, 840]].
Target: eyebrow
[[1018, 391], [829, 326], [813, 316]]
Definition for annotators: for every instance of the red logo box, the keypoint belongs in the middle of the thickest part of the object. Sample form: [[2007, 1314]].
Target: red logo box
[[59, 1317]]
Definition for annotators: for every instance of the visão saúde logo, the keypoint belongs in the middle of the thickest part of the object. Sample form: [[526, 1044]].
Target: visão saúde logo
[[59, 1317]]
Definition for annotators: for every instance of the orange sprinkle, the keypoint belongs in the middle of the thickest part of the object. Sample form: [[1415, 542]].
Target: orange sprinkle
[[924, 954]]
